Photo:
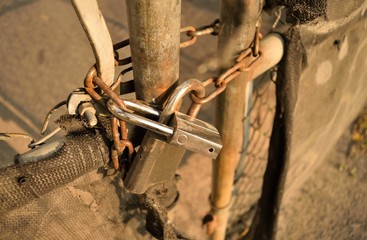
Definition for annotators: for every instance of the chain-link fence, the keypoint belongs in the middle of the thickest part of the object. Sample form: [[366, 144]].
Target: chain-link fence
[[248, 183]]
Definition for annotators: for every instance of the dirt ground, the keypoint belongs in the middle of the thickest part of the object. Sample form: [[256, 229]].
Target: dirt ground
[[45, 55], [332, 203]]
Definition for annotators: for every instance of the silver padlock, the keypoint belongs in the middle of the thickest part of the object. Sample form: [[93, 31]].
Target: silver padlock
[[195, 135], [184, 131], [163, 147]]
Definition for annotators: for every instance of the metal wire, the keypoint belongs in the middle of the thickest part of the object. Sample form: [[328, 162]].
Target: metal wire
[[33, 144], [44, 139], [10, 136], [49, 114]]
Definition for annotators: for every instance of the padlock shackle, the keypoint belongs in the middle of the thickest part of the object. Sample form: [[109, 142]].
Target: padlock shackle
[[140, 107], [140, 121], [175, 100]]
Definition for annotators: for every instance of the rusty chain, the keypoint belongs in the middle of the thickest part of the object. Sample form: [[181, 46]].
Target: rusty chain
[[120, 141], [243, 63], [120, 145], [117, 46], [194, 33], [92, 83]]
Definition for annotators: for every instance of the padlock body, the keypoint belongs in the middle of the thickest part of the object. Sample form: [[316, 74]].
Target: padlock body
[[195, 135], [156, 162]]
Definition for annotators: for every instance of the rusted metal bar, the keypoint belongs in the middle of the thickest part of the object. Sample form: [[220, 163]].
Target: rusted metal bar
[[154, 28], [238, 24]]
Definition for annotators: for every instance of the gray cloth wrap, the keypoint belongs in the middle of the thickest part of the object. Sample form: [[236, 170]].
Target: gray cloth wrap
[[82, 153]]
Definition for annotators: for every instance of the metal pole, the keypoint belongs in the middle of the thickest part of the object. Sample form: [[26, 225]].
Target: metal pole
[[154, 28], [238, 23]]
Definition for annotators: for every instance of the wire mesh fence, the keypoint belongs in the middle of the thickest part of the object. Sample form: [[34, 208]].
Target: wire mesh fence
[[249, 178]]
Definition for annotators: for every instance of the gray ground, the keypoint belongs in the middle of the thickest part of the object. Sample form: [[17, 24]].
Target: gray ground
[[45, 55], [332, 203]]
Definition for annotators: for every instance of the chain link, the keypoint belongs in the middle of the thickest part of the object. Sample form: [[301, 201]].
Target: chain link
[[120, 139], [117, 46], [244, 62], [194, 33], [119, 145], [212, 29], [192, 39]]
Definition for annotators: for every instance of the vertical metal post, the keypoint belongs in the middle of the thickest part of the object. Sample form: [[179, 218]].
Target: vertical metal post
[[238, 23], [154, 28]]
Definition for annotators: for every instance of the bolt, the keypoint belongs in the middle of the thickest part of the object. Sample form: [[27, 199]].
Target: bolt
[[87, 111], [90, 117]]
